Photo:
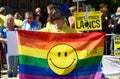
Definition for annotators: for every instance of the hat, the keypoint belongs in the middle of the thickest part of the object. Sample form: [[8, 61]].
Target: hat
[[56, 15], [118, 11]]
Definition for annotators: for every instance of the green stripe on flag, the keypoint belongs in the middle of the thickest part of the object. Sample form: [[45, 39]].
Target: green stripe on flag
[[28, 60]]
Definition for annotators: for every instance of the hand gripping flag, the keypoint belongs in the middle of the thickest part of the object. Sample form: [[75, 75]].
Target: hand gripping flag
[[44, 55]]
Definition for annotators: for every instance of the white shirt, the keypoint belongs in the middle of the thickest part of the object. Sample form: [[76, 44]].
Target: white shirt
[[27, 26]]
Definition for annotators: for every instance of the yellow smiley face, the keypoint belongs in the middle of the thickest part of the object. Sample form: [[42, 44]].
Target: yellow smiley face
[[62, 59]]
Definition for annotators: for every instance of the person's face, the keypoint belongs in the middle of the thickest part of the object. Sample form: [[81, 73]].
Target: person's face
[[104, 13], [72, 11], [29, 19], [38, 10], [10, 22], [59, 22]]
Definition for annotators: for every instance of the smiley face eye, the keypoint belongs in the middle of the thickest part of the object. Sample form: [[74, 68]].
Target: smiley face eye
[[58, 54], [65, 54]]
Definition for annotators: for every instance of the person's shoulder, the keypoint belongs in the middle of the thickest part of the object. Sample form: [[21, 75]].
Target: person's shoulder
[[24, 21], [69, 29], [48, 24], [2, 16], [73, 30], [34, 22], [49, 29], [1, 22], [3, 27], [18, 20], [44, 30]]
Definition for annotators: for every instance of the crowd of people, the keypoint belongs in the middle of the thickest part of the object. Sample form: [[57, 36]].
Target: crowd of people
[[54, 20]]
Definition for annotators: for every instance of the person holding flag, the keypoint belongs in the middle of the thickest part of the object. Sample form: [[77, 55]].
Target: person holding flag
[[58, 24]]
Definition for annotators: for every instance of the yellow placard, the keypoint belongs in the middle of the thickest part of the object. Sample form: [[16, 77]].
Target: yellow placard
[[117, 45], [93, 22]]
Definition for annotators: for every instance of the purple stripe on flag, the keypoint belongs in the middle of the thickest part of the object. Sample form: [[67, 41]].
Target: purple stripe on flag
[[98, 75]]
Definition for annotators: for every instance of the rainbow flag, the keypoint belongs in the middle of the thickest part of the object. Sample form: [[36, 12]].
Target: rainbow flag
[[44, 55]]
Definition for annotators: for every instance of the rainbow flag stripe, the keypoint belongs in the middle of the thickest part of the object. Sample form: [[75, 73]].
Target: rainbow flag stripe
[[35, 50]]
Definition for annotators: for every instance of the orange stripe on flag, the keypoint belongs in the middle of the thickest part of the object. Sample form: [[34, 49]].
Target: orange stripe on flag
[[47, 45]]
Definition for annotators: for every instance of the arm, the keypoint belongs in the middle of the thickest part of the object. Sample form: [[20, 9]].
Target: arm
[[2, 39], [1, 36]]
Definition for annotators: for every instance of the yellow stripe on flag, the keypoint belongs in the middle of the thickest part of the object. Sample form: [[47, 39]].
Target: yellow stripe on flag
[[32, 52], [82, 54], [90, 53]]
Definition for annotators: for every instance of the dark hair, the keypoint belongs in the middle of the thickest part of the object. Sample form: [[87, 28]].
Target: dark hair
[[56, 15], [102, 5]]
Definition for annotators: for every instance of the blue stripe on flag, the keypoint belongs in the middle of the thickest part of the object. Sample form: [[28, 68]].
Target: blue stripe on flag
[[40, 71]]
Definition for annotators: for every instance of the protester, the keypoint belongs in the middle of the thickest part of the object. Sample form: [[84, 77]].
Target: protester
[[36, 17], [102, 5], [42, 16], [106, 20], [18, 19], [71, 19], [18, 16], [58, 24], [106, 27], [50, 10], [29, 23], [116, 28], [12, 61], [116, 19], [2, 16]]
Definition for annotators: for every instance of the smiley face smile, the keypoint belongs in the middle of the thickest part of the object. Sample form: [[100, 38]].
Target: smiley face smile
[[62, 67]]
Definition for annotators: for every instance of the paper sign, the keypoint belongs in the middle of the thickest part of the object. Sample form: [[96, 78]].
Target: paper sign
[[12, 43], [88, 21], [117, 45]]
